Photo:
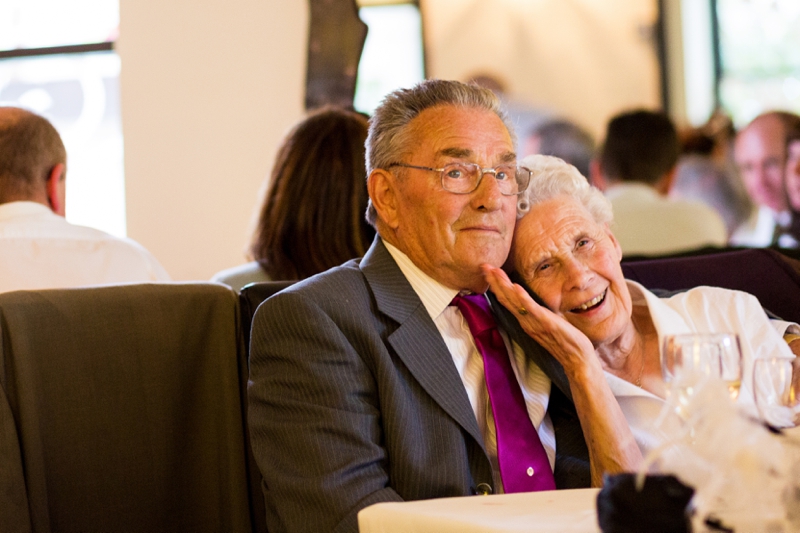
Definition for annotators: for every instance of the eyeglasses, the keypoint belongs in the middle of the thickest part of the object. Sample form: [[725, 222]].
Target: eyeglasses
[[464, 178]]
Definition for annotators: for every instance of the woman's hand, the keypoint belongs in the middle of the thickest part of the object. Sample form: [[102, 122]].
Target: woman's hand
[[563, 340], [612, 448]]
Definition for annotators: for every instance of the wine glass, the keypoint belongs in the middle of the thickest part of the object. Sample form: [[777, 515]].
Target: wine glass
[[776, 387], [689, 359]]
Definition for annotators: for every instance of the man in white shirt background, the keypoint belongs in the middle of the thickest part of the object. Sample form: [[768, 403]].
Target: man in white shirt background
[[636, 169], [39, 249]]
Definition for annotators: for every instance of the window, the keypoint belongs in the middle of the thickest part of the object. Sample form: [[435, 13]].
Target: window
[[759, 53], [393, 54], [57, 59]]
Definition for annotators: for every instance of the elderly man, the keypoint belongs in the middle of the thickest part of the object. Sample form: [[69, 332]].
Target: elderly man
[[39, 249], [387, 378], [760, 155]]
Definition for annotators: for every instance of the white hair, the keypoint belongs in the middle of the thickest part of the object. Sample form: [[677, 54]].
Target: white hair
[[552, 177]]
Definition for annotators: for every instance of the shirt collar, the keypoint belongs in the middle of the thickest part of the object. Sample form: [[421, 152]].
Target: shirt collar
[[434, 296], [666, 320], [23, 208], [632, 189]]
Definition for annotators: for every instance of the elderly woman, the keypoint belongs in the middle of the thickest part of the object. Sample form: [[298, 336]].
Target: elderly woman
[[591, 318]]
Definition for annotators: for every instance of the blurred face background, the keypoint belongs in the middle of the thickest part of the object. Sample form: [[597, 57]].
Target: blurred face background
[[760, 154], [793, 174]]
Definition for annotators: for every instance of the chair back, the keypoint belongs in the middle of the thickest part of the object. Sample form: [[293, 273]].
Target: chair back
[[765, 273], [122, 410]]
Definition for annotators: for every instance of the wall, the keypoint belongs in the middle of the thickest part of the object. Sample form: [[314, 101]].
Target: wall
[[585, 59], [208, 89]]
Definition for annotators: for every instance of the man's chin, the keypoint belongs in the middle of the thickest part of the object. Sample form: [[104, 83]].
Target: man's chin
[[494, 254]]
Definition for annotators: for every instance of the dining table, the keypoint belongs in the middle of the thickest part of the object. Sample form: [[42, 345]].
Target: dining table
[[557, 511]]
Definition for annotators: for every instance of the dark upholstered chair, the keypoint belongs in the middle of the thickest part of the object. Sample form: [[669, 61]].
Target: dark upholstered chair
[[121, 409], [251, 296], [767, 274]]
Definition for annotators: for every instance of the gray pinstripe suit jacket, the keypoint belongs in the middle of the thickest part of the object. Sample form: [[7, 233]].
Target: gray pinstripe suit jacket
[[354, 399]]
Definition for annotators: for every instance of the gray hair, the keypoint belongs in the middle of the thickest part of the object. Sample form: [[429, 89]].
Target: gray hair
[[388, 138], [552, 177]]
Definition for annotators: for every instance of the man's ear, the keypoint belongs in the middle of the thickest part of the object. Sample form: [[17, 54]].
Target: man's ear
[[382, 189], [57, 189], [666, 182], [596, 177]]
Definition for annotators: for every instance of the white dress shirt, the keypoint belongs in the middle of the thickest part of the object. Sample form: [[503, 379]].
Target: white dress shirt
[[535, 385], [41, 250], [698, 310], [759, 229]]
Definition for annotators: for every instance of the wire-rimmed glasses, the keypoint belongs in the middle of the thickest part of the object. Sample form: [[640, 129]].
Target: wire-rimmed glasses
[[464, 178]]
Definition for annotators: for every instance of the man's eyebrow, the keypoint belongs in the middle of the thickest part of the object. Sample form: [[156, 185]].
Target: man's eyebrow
[[466, 153], [508, 157], [458, 153]]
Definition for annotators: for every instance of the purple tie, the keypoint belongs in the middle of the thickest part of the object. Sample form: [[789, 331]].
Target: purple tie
[[524, 466]]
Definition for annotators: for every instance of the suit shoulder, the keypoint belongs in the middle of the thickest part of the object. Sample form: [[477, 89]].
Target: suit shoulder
[[338, 286]]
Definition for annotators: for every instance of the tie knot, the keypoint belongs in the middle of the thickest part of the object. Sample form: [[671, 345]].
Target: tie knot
[[476, 311]]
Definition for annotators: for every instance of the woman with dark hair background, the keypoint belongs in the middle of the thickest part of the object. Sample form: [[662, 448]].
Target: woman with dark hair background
[[312, 217]]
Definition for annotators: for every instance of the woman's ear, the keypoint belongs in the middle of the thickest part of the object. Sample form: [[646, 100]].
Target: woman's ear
[[382, 189]]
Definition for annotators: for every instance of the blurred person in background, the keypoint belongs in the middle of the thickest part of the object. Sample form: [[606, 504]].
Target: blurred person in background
[[789, 236], [705, 174], [522, 114], [39, 249], [635, 168], [760, 154], [564, 139], [312, 217]]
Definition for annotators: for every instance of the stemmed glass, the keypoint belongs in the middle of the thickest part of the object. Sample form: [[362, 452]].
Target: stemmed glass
[[689, 359], [776, 387]]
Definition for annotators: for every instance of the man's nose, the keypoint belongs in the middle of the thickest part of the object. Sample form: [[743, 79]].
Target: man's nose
[[488, 195]]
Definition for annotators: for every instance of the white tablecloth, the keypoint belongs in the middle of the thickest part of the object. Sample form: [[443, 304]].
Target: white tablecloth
[[559, 511]]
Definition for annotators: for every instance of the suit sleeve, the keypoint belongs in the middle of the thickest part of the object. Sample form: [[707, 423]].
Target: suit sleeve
[[314, 418]]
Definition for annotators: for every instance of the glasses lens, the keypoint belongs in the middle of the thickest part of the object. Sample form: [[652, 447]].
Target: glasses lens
[[460, 177], [523, 179]]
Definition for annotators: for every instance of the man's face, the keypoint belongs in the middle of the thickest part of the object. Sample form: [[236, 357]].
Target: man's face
[[793, 174], [760, 155], [450, 235], [573, 264]]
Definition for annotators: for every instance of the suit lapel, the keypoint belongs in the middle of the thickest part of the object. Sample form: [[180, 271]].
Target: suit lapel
[[417, 341]]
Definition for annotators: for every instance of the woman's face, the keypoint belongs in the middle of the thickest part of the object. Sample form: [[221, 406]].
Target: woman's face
[[793, 174], [573, 264]]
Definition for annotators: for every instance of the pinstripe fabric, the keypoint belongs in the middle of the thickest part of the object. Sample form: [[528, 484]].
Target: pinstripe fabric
[[354, 399], [455, 332]]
